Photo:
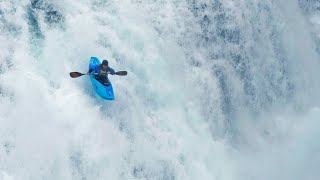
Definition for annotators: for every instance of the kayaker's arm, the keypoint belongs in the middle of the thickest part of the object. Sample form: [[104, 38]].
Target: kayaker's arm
[[90, 70], [111, 71]]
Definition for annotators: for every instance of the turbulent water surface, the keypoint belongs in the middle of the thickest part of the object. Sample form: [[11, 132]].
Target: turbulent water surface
[[216, 90]]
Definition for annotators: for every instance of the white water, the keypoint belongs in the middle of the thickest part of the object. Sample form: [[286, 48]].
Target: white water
[[224, 90]]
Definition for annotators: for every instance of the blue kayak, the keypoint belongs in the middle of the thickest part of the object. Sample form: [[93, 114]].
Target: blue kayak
[[106, 92]]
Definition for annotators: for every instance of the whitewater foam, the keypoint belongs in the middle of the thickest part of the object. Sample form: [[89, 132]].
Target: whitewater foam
[[215, 90]]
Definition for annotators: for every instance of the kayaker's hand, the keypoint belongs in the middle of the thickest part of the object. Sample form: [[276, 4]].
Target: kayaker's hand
[[88, 73]]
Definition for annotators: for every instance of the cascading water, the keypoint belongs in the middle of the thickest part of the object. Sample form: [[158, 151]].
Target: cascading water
[[216, 90]]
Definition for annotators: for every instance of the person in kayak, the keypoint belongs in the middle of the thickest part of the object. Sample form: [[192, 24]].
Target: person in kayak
[[101, 72]]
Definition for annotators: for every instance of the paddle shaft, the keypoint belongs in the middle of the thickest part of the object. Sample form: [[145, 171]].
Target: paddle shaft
[[78, 74]]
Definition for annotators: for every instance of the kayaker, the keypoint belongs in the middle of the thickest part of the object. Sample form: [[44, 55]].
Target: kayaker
[[101, 72]]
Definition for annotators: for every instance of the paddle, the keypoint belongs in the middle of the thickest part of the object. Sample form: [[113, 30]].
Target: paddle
[[121, 73], [77, 74]]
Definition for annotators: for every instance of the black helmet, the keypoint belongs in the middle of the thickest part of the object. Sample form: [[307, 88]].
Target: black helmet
[[105, 62]]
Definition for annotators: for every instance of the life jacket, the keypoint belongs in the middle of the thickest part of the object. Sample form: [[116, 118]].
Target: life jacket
[[103, 73], [99, 72]]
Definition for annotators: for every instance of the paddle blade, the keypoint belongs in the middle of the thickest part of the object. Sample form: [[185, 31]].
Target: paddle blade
[[121, 73], [75, 74]]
